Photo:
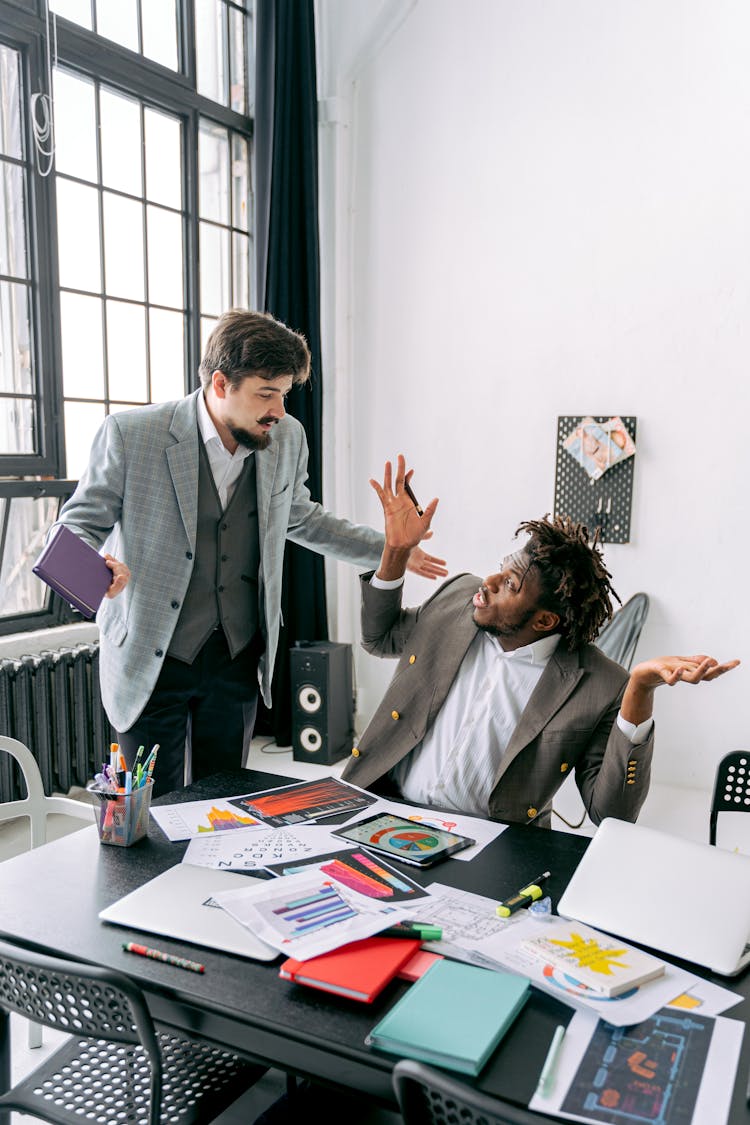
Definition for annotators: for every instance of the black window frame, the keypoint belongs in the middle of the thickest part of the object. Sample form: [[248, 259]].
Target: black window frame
[[23, 29]]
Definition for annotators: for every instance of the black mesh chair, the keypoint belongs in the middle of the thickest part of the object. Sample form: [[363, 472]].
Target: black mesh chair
[[619, 637], [430, 1097], [731, 788], [116, 1066]]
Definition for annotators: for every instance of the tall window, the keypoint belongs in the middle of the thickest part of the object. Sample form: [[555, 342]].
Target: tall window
[[125, 179]]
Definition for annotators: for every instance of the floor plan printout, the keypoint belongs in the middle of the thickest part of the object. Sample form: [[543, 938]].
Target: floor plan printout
[[674, 1068]]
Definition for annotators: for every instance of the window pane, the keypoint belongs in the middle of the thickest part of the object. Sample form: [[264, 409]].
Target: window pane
[[82, 346], [165, 257], [159, 27], [210, 50], [77, 11], [123, 247], [237, 68], [75, 126], [241, 271], [82, 420], [121, 142], [213, 172], [10, 98], [240, 182], [207, 326], [163, 159], [16, 426], [13, 230], [20, 590], [214, 269], [126, 351], [167, 355], [78, 236], [118, 20], [15, 335]]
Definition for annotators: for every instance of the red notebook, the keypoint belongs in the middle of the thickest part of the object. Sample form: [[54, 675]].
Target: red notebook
[[360, 969], [418, 965]]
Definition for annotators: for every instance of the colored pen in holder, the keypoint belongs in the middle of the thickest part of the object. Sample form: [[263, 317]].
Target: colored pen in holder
[[122, 817]]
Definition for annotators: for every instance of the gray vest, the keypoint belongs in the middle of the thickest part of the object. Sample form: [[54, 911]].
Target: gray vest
[[223, 587]]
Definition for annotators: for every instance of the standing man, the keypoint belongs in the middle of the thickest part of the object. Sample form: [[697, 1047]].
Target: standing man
[[197, 498], [500, 692]]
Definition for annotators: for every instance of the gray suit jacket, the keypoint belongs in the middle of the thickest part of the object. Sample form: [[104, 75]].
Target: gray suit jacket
[[569, 722], [138, 499]]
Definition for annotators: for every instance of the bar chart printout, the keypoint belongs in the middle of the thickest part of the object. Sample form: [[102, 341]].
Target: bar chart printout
[[308, 913], [308, 800]]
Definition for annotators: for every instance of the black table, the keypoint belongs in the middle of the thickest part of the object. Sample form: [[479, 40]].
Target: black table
[[50, 899]]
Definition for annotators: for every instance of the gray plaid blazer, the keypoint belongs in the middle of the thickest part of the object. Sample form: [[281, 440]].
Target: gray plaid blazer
[[138, 500]]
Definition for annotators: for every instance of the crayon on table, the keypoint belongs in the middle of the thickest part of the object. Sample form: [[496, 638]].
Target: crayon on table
[[167, 958]]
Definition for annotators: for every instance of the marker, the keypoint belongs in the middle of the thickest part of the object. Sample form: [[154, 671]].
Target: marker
[[151, 763], [167, 958], [412, 497], [547, 1077], [525, 896], [421, 930]]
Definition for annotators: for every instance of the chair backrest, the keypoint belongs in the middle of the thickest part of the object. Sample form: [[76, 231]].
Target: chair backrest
[[731, 788], [82, 1000], [619, 637], [427, 1096], [36, 806]]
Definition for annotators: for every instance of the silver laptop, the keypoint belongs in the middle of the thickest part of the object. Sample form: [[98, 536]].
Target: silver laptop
[[681, 898], [178, 904]]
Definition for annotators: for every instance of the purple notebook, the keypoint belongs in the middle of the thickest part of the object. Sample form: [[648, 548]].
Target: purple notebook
[[74, 570]]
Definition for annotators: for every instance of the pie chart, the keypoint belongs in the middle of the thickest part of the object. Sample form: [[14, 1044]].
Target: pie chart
[[406, 839]]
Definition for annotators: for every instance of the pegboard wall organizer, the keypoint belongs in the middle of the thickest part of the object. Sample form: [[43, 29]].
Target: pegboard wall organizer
[[604, 503]]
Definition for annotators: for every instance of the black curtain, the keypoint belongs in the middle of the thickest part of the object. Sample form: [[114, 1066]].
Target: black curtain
[[286, 173]]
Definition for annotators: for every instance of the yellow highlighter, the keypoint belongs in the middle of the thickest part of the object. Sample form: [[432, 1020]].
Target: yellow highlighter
[[524, 897]]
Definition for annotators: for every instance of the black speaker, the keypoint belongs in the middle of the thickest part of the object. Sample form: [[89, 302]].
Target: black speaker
[[322, 701]]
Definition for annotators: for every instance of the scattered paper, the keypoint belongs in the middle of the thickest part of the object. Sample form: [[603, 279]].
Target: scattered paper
[[259, 846], [197, 818], [307, 914], [671, 1068], [473, 932], [368, 874], [304, 801]]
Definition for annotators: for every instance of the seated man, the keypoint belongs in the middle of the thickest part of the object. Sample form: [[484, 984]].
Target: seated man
[[500, 692]]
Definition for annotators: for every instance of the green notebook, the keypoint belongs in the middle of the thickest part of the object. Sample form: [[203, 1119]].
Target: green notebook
[[453, 1016]]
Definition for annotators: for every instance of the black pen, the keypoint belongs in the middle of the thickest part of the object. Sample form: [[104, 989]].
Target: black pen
[[528, 894], [412, 497]]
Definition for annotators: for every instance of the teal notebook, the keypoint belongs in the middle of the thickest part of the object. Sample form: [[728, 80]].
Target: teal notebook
[[453, 1016]]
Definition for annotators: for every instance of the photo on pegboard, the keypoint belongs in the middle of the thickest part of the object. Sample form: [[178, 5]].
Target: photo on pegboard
[[594, 472]]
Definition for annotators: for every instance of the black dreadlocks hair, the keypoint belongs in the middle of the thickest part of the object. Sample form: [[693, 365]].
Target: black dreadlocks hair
[[575, 583]]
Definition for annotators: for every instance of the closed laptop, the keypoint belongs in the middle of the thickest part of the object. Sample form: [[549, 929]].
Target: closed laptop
[[679, 897]]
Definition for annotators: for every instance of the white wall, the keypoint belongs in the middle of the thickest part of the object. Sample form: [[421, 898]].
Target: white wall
[[534, 208]]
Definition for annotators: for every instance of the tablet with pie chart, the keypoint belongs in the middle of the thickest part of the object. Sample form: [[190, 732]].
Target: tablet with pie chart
[[406, 840]]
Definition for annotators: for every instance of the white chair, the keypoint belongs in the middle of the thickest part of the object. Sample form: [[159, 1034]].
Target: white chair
[[37, 807]]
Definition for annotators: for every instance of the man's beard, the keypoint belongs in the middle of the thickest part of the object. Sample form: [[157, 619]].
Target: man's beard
[[509, 630], [251, 441]]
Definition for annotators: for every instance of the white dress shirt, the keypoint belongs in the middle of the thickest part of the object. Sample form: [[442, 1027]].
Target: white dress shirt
[[457, 761], [225, 466]]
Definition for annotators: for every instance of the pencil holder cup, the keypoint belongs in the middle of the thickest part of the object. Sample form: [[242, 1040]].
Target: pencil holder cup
[[122, 818]]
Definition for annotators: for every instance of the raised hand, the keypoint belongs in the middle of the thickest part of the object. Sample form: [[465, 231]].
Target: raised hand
[[404, 526], [671, 670], [638, 700], [428, 566]]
